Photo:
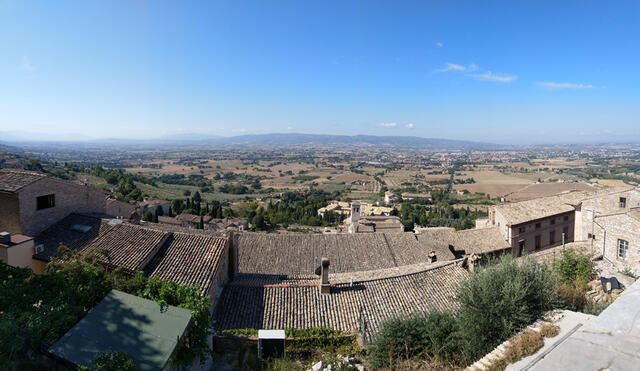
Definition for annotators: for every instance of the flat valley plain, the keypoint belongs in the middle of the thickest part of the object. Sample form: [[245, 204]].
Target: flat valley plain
[[242, 173]]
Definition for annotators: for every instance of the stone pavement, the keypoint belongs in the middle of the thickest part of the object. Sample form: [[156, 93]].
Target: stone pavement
[[609, 342]]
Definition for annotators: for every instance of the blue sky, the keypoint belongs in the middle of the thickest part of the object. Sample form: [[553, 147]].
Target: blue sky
[[500, 71]]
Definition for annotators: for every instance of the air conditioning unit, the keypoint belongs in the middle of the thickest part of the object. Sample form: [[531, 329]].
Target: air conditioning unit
[[38, 248]]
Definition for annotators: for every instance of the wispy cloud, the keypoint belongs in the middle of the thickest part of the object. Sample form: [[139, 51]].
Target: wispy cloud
[[26, 65], [387, 125], [564, 85], [439, 44], [489, 76], [409, 125], [451, 67]]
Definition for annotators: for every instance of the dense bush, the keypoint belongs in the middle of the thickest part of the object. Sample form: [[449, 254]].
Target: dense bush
[[574, 266], [501, 299], [113, 361], [36, 310], [433, 336]]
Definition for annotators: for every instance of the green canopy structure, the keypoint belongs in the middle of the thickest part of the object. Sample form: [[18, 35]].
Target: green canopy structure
[[128, 323]]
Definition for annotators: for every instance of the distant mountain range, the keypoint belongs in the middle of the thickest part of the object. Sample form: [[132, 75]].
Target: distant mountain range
[[262, 140]]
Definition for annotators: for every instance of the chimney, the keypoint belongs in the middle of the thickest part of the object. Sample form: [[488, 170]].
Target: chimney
[[325, 286], [432, 257], [473, 258], [5, 238]]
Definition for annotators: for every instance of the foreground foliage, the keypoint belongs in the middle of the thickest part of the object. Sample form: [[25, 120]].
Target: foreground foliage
[[495, 303], [433, 336], [36, 310], [501, 299]]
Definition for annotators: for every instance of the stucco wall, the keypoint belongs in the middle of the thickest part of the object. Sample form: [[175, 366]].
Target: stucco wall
[[69, 198], [544, 231], [10, 214], [20, 255]]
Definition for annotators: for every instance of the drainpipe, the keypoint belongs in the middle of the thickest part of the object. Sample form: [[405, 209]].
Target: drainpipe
[[604, 238]]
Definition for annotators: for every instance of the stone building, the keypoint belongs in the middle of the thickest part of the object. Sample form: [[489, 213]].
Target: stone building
[[608, 203], [617, 237], [31, 202]]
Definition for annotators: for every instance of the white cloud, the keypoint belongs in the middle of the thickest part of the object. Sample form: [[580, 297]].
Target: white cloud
[[439, 44], [409, 125], [564, 85], [27, 65], [489, 76], [388, 125], [452, 67]]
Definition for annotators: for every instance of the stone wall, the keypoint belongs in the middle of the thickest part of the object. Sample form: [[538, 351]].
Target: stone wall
[[69, 197], [602, 205], [221, 276], [609, 230], [10, 214]]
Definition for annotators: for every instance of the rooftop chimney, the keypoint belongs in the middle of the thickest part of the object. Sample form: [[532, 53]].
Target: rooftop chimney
[[325, 286], [5, 238], [473, 258], [432, 257]]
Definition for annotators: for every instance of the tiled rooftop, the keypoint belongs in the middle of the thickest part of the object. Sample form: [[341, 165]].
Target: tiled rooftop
[[301, 305], [188, 259], [525, 211], [472, 241], [184, 257], [128, 246], [300, 254], [12, 180]]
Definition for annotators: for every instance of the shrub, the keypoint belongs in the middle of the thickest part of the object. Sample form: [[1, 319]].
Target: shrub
[[433, 335], [573, 266], [497, 301], [572, 295], [523, 345], [549, 330], [113, 361]]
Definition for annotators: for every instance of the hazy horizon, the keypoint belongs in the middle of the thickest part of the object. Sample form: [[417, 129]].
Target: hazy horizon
[[498, 72]]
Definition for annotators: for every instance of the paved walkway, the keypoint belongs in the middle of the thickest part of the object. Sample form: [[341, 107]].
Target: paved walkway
[[609, 342]]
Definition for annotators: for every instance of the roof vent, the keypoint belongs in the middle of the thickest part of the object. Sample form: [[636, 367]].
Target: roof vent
[[81, 228]]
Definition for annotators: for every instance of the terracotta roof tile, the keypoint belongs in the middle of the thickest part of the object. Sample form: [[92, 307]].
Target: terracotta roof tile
[[12, 181]]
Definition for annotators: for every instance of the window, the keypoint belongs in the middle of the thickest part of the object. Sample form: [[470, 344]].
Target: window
[[623, 247], [591, 236], [589, 214], [553, 221], [552, 237], [623, 202], [45, 202], [538, 242], [521, 230], [538, 225], [566, 217]]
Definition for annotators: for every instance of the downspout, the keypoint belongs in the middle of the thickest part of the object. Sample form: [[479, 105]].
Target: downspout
[[604, 238]]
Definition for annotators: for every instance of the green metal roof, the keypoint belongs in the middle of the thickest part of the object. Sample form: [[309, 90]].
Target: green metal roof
[[128, 323]]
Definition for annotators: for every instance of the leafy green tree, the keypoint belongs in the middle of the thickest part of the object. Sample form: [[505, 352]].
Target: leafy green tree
[[497, 301], [147, 216], [113, 361]]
